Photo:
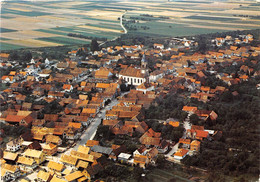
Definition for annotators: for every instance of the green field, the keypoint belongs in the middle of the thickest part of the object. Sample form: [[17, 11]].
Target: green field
[[6, 46], [210, 18], [2, 30]]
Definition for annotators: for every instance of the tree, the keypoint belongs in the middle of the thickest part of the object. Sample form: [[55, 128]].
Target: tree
[[13, 56], [194, 119], [94, 45], [27, 56]]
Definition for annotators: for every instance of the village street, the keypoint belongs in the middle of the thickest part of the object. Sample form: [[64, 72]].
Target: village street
[[90, 132], [187, 126]]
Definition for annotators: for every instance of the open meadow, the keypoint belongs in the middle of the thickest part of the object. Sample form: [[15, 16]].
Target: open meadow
[[49, 23]]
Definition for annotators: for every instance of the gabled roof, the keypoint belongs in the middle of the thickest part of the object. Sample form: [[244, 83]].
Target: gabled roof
[[195, 142], [130, 71], [68, 159], [181, 152], [140, 159], [33, 153], [83, 149], [91, 143], [55, 166], [10, 156], [25, 161], [45, 176], [189, 108]]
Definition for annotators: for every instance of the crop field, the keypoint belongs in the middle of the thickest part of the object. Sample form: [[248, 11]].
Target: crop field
[[49, 23]]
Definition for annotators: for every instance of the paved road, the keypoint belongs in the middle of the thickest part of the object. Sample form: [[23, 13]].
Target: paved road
[[174, 149], [121, 23], [90, 132]]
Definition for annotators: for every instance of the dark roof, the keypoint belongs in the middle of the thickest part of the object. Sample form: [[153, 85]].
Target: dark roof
[[100, 149], [27, 136], [35, 145]]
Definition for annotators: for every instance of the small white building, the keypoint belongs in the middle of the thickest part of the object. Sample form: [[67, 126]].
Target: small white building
[[124, 157], [13, 145]]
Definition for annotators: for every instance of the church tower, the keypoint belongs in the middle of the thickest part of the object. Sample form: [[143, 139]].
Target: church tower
[[144, 64]]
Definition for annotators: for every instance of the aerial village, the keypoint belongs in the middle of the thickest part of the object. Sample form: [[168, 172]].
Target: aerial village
[[63, 103]]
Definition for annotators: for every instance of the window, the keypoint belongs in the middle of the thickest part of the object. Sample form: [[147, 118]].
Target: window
[[135, 81], [138, 80], [127, 79]]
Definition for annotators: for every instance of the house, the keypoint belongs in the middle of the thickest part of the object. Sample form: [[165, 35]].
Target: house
[[185, 143], [152, 155], [163, 147], [35, 145], [45, 73], [8, 79], [71, 134], [195, 145], [82, 156], [38, 156], [197, 134], [75, 176], [155, 75], [56, 179], [53, 139], [67, 88], [123, 157], [141, 160], [69, 160], [158, 46], [26, 164], [49, 149], [55, 166], [10, 157], [145, 87], [10, 172], [21, 120], [100, 149], [180, 154], [189, 109], [150, 138], [103, 73], [14, 145], [140, 151], [43, 176], [91, 143]]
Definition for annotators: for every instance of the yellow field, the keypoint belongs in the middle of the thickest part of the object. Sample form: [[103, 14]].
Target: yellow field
[[97, 28], [26, 34], [20, 9], [31, 42]]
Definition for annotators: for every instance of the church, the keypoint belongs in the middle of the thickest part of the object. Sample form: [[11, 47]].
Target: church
[[135, 76]]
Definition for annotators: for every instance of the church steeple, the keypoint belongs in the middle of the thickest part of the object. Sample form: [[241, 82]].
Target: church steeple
[[144, 64]]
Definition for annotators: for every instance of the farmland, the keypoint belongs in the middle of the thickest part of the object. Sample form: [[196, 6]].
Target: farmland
[[48, 23]]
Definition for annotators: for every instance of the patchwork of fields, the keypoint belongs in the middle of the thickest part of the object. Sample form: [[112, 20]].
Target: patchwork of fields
[[48, 23]]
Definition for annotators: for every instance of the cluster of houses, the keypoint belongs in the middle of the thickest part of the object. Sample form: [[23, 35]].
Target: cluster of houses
[[229, 40], [57, 101]]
